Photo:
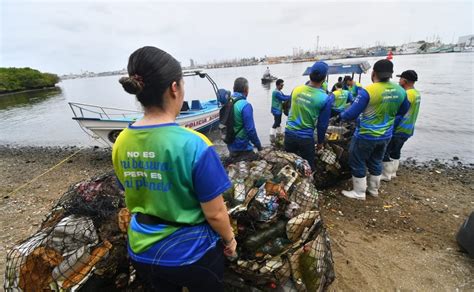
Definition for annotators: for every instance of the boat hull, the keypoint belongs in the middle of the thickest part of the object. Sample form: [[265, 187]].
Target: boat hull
[[108, 130]]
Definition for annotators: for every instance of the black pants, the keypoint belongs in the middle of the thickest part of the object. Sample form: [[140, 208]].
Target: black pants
[[394, 148], [277, 121], [202, 276], [334, 113], [301, 147]]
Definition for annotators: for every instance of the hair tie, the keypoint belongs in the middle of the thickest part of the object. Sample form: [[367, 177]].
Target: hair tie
[[139, 79]]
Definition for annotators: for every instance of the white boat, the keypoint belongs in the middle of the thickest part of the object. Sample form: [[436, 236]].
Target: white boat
[[106, 123], [410, 48]]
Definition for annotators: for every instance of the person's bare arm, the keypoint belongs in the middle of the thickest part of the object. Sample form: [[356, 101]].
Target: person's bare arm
[[216, 215]]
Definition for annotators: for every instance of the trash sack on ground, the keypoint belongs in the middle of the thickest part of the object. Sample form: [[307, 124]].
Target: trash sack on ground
[[465, 236], [273, 205], [274, 212], [81, 245], [332, 162]]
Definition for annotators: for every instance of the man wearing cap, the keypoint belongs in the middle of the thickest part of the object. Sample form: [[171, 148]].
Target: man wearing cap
[[404, 126], [310, 108], [376, 107]]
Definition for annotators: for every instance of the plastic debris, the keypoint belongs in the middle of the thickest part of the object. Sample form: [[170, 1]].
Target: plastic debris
[[80, 245], [274, 213]]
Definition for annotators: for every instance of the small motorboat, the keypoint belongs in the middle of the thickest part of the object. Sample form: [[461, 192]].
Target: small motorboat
[[268, 79], [106, 123]]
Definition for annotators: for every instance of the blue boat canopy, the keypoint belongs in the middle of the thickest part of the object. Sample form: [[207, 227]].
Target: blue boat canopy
[[352, 67]]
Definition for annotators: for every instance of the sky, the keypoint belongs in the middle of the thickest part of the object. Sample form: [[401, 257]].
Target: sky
[[70, 36]]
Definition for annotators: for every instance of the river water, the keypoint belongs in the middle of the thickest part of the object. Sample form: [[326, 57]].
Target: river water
[[445, 126]]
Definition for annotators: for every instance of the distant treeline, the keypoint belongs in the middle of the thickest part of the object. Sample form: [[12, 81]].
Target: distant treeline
[[18, 79]]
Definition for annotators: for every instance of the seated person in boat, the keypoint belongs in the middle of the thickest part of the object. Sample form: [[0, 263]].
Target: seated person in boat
[[267, 74]]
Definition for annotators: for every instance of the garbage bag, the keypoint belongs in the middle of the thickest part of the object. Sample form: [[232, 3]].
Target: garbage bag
[[465, 236]]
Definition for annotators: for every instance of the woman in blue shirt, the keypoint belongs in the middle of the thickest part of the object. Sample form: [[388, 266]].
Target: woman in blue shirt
[[173, 181]]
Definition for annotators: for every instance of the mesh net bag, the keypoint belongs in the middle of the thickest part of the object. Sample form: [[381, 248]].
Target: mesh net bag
[[282, 242], [273, 206], [332, 161], [81, 245]]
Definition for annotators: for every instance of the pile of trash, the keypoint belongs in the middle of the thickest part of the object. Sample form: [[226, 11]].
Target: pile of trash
[[332, 162], [274, 212], [273, 206], [81, 245]]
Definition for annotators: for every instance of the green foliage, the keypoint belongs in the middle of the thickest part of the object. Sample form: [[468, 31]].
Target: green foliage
[[17, 79]]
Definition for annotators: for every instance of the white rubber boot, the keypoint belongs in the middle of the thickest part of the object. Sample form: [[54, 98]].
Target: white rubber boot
[[272, 134], [374, 185], [279, 131], [396, 164], [360, 186], [387, 171]]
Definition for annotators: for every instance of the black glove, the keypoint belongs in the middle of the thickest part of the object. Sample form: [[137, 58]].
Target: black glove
[[259, 148]]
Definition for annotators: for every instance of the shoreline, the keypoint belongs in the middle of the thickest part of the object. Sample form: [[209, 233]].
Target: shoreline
[[453, 162], [209, 67], [375, 243], [29, 90]]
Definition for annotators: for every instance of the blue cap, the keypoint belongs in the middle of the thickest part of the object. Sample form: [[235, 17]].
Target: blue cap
[[321, 68]]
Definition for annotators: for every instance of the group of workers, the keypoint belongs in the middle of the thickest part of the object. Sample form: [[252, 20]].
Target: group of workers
[[385, 114], [173, 178]]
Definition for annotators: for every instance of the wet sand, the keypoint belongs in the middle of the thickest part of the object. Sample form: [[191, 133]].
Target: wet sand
[[404, 240]]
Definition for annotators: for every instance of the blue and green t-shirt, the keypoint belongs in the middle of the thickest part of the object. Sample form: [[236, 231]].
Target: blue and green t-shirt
[[310, 106], [277, 100], [405, 126], [167, 171], [376, 107], [342, 98], [325, 86], [354, 89], [244, 126]]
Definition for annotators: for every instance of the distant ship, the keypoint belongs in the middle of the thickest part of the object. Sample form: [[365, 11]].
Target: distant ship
[[378, 52], [410, 48]]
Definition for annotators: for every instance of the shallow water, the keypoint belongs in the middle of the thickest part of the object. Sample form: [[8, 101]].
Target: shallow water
[[444, 129]]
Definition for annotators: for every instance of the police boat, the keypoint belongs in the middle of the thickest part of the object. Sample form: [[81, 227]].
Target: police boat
[[106, 123]]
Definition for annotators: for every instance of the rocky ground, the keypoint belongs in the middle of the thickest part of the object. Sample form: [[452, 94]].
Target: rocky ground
[[403, 240]]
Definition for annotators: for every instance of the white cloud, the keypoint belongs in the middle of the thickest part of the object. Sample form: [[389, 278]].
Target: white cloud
[[67, 36]]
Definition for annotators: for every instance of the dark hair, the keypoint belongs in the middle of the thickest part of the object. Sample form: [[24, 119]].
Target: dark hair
[[338, 85], [347, 78], [151, 71], [279, 82], [241, 84], [385, 79], [339, 79], [316, 77]]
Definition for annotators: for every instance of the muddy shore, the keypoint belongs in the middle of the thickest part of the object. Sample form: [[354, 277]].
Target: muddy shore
[[403, 240]]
